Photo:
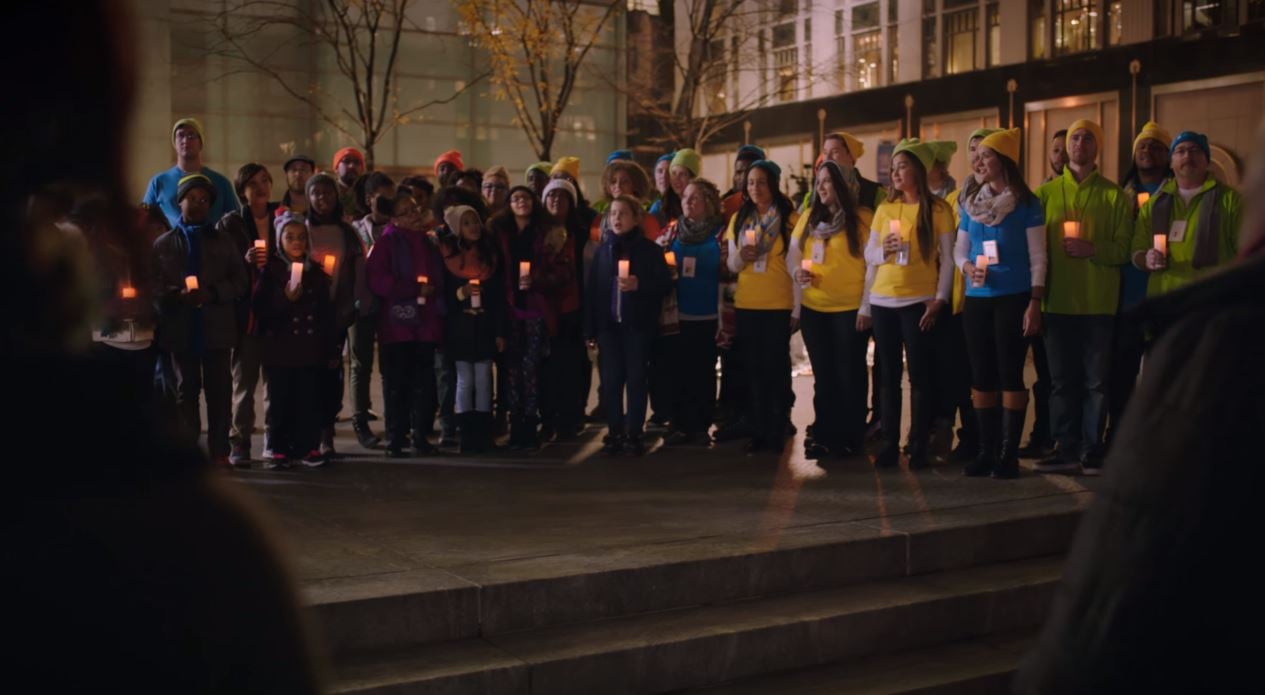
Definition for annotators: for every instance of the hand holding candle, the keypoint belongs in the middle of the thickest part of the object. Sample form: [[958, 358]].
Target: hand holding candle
[[1142, 198], [749, 236], [328, 264], [626, 281], [1071, 229], [806, 272], [670, 257], [1075, 245], [296, 274], [524, 275], [422, 281], [191, 283], [476, 295], [260, 252], [1157, 256], [980, 273]]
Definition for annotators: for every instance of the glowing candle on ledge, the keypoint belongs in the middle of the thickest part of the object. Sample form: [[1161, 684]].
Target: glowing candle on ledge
[[750, 237], [981, 262], [329, 263], [476, 301], [623, 270], [1071, 229], [191, 282], [1143, 197], [670, 257], [296, 274], [1161, 243], [421, 280], [128, 292]]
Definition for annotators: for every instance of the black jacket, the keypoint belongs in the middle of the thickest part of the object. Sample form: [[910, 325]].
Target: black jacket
[[223, 276], [469, 334], [1158, 595], [242, 232], [293, 334], [639, 309]]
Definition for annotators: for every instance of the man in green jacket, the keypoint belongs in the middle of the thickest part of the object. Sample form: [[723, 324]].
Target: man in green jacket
[[1190, 225], [1089, 225]]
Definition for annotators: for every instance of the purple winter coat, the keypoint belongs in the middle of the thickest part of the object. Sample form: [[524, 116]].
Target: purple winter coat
[[391, 271]]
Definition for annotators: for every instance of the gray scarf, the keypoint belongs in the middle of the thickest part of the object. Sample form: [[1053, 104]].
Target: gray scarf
[[691, 232], [766, 228], [988, 208]]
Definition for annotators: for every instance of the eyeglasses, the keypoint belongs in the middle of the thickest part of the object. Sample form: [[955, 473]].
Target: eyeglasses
[[1187, 151]]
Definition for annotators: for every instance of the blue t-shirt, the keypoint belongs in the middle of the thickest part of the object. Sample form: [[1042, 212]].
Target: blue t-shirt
[[1012, 274], [698, 295], [162, 192]]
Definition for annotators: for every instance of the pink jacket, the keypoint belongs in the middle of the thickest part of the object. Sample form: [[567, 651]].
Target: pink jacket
[[392, 269]]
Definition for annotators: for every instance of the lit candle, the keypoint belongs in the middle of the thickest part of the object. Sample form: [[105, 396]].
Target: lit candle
[[261, 244], [421, 280], [750, 237], [894, 228], [1143, 197], [981, 262], [1161, 243], [476, 301], [806, 265], [524, 274], [191, 282], [1071, 229], [670, 257], [329, 263], [128, 292], [296, 274], [623, 270]]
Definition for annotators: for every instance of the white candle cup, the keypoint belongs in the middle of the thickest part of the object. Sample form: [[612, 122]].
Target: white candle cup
[[902, 255], [524, 275], [894, 227], [1161, 244], [476, 301], [981, 262], [623, 270], [261, 244], [128, 292], [296, 274], [806, 265], [191, 282], [750, 237], [329, 264], [670, 257], [1071, 229], [1142, 198], [421, 280]]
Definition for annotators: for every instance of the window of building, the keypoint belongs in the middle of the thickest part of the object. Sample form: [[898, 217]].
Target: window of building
[[785, 61], [893, 52], [714, 75], [1198, 15], [1255, 10], [865, 16], [1037, 29], [841, 52], [930, 49], [808, 51], [992, 56], [1075, 26], [867, 51], [1115, 22], [960, 28]]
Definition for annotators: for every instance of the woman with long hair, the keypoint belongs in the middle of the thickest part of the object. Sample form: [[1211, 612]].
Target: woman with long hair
[[759, 238], [910, 279], [828, 258]]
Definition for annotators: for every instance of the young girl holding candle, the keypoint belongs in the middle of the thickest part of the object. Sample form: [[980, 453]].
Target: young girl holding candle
[[474, 328], [1001, 251], [626, 286], [759, 238], [406, 273], [910, 279], [829, 261], [292, 317]]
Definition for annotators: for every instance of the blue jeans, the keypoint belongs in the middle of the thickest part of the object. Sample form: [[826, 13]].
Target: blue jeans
[[1079, 351]]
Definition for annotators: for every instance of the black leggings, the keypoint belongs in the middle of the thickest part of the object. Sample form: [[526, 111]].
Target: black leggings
[[766, 357], [837, 352], [994, 338], [895, 329]]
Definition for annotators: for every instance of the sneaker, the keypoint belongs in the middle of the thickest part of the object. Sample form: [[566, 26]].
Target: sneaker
[[815, 451], [448, 440], [327, 450], [313, 459], [1036, 449], [364, 435], [372, 416], [222, 463], [733, 430], [658, 421], [397, 451], [612, 444], [240, 456], [421, 447], [275, 461], [1056, 464]]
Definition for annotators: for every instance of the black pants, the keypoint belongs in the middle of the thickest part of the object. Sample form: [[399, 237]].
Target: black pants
[[690, 375], [766, 338], [409, 368], [293, 415], [1041, 391], [663, 393], [625, 354], [330, 388], [1127, 347], [732, 400], [896, 330], [193, 374], [445, 394], [562, 407], [953, 375], [994, 336], [837, 352]]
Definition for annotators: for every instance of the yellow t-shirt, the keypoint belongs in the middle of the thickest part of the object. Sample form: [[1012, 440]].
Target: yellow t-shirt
[[770, 289], [959, 281], [919, 278], [839, 281]]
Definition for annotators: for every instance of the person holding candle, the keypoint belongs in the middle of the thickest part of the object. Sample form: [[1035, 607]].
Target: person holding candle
[[293, 322], [1150, 169], [406, 273], [625, 290], [198, 277], [1001, 250], [474, 330], [567, 371], [252, 233], [187, 139], [376, 193], [1088, 223], [910, 281], [338, 250], [759, 239], [1191, 225], [834, 311]]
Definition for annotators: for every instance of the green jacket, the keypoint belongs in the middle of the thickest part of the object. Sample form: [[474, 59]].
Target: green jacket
[[1086, 286], [1180, 270]]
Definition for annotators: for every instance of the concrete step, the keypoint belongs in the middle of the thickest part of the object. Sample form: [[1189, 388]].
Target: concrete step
[[982, 666], [708, 645], [429, 605]]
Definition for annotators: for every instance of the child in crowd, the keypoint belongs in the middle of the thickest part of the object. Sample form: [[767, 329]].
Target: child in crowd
[[293, 317], [474, 330], [626, 286]]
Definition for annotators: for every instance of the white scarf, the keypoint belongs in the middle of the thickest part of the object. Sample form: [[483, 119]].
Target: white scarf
[[988, 208]]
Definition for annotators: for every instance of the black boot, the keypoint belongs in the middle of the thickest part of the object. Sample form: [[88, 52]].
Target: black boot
[[1012, 430], [919, 429], [364, 435], [468, 435], [989, 420], [531, 437], [889, 454]]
